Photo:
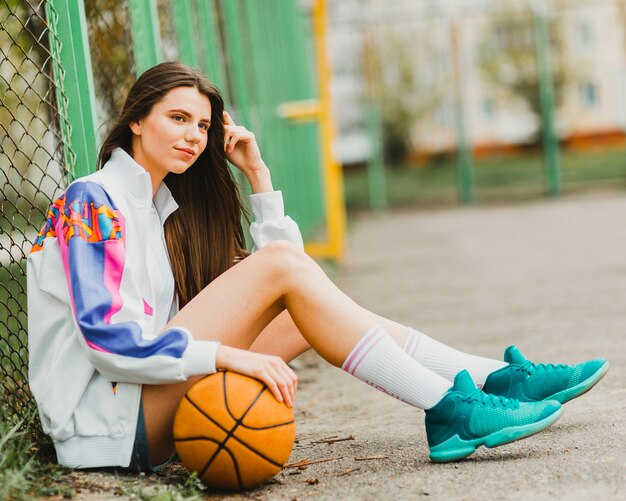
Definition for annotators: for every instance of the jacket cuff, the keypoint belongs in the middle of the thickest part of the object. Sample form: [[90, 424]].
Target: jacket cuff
[[267, 206], [200, 358]]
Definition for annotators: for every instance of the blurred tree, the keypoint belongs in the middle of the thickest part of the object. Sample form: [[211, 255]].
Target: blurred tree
[[169, 43], [112, 59], [508, 59], [404, 92]]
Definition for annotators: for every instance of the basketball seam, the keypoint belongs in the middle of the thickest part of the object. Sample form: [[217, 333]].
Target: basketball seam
[[266, 427], [245, 413], [240, 421], [221, 447], [278, 425], [187, 439], [228, 435], [249, 407]]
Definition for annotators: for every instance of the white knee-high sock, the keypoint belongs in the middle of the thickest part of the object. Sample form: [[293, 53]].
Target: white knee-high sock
[[446, 361], [381, 363]]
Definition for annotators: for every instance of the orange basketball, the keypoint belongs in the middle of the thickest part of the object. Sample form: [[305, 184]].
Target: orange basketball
[[231, 430]]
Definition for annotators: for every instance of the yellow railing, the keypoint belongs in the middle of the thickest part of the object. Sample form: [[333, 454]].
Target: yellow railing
[[333, 245]]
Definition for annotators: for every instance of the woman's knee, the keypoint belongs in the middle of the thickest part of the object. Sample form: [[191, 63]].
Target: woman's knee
[[285, 259], [284, 249]]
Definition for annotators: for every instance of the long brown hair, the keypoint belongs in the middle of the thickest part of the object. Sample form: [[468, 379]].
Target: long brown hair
[[204, 236]]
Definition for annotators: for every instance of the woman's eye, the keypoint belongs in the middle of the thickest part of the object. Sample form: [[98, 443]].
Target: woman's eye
[[178, 118], [204, 126]]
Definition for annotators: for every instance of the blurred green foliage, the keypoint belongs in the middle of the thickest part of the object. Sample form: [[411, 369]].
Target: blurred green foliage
[[112, 56], [508, 59], [402, 90]]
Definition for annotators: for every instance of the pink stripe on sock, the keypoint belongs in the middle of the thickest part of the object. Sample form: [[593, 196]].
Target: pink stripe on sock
[[361, 345], [416, 336], [356, 365], [417, 342], [409, 344]]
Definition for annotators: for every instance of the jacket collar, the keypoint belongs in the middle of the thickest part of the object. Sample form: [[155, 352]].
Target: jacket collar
[[136, 182]]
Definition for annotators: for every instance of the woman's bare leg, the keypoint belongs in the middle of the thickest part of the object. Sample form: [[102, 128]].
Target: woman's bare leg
[[239, 304], [281, 338]]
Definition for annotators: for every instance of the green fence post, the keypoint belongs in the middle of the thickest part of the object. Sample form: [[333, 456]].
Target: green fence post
[[209, 36], [376, 179], [75, 70], [144, 25], [464, 151], [185, 31], [546, 96], [235, 56]]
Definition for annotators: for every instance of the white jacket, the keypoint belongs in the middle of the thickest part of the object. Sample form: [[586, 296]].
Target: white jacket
[[100, 291]]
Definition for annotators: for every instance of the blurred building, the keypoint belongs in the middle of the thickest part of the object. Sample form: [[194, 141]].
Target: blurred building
[[371, 41], [347, 20]]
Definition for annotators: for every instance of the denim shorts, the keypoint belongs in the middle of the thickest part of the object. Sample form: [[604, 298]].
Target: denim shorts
[[140, 457]]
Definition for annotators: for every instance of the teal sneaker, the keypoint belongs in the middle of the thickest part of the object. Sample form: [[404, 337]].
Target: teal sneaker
[[527, 381], [466, 418]]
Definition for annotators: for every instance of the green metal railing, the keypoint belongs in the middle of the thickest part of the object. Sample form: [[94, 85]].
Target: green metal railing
[[144, 24], [74, 65], [77, 61], [37, 160], [546, 96], [258, 53]]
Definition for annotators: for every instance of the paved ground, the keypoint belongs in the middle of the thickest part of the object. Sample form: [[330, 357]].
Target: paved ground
[[549, 276]]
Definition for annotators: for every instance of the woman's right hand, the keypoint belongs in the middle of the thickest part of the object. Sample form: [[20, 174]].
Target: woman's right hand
[[272, 370]]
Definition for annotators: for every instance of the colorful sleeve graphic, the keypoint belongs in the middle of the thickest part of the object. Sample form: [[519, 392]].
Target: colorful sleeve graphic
[[91, 235]]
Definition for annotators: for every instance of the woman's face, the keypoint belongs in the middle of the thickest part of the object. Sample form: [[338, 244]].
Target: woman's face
[[172, 136]]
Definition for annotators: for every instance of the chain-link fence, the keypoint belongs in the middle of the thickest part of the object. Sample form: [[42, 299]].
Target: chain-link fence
[[74, 66], [33, 155], [32, 159], [33, 168], [112, 56]]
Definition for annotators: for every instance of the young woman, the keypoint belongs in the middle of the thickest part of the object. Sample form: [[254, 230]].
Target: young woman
[[139, 284]]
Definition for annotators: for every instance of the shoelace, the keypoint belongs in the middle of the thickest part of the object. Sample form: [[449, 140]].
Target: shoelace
[[529, 367], [494, 400]]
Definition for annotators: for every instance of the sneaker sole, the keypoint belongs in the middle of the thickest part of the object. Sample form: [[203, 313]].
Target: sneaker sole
[[580, 388], [456, 448]]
